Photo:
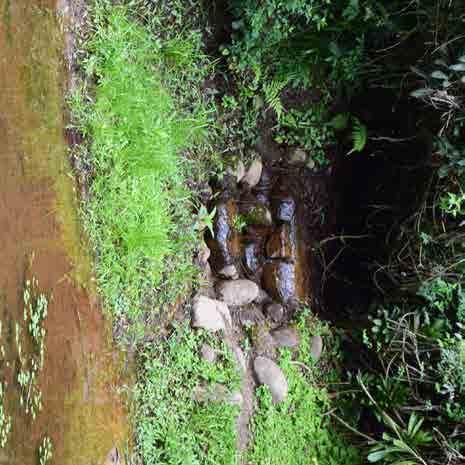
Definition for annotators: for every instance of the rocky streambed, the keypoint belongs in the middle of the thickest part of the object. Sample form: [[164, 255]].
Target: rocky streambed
[[258, 267]]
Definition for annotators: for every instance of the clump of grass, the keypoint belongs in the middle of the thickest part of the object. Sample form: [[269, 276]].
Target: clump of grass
[[171, 426], [140, 213], [298, 431]]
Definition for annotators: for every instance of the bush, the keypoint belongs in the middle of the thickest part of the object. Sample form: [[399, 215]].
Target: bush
[[417, 381]]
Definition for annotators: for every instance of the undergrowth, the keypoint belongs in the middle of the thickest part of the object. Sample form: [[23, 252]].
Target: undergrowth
[[140, 214], [299, 430], [173, 426]]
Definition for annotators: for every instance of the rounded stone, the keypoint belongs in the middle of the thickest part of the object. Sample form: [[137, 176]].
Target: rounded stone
[[316, 347], [269, 374], [237, 293], [286, 337]]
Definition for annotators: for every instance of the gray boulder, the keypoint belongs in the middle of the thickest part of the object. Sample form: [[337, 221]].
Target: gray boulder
[[316, 347], [237, 293], [286, 337], [269, 374], [210, 314]]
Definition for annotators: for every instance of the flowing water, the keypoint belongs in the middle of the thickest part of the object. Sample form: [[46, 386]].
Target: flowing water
[[40, 238]]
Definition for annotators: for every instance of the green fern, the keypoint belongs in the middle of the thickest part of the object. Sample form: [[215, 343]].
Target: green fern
[[273, 93], [359, 136]]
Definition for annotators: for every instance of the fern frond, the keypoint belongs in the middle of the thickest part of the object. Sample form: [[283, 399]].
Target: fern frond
[[359, 136], [273, 95]]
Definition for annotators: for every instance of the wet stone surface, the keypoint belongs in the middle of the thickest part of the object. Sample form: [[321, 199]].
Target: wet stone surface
[[259, 230], [279, 280]]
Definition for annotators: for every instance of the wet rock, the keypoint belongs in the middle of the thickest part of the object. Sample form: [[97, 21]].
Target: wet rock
[[208, 353], [225, 245], [216, 393], [284, 209], [237, 293], [275, 312], [286, 337], [279, 280], [297, 156], [229, 272], [240, 171], [210, 314], [269, 374], [316, 347], [279, 245], [253, 174], [252, 257]]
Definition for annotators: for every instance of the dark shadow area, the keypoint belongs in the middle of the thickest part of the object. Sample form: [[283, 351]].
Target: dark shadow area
[[373, 192]]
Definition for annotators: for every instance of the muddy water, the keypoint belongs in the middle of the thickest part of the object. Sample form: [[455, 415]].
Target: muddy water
[[40, 238]]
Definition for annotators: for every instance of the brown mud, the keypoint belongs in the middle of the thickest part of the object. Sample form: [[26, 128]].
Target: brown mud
[[83, 411]]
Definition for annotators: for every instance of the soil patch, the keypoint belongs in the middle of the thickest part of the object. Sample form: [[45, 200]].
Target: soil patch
[[39, 228]]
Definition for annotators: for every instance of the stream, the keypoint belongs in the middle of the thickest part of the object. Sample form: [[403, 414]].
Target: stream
[[80, 379]]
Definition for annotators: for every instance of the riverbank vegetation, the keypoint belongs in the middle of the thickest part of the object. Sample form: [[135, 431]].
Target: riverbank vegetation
[[373, 94]]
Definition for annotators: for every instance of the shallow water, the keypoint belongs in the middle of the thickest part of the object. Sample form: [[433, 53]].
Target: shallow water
[[83, 412]]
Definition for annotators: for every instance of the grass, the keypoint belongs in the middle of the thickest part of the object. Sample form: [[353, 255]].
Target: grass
[[140, 214], [298, 431], [170, 426]]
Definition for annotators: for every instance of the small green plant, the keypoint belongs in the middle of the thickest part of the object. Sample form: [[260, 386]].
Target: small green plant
[[229, 103], [453, 204], [308, 129], [205, 219], [32, 360], [5, 419], [240, 223], [402, 448], [359, 136], [45, 451]]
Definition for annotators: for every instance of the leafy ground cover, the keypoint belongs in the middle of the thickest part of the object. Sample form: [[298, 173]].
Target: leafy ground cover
[[171, 425], [300, 429]]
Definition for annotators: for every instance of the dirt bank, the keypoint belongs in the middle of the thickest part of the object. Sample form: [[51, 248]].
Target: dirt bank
[[41, 238]]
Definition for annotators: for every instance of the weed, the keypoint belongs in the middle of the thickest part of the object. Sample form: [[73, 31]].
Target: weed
[[172, 426], [45, 451], [240, 222], [205, 219]]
